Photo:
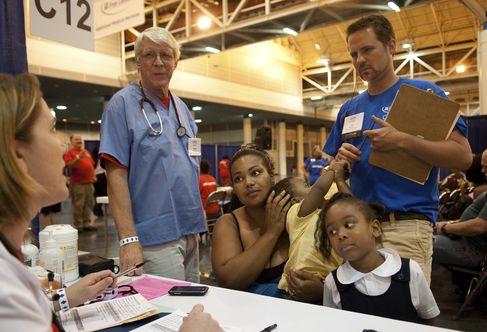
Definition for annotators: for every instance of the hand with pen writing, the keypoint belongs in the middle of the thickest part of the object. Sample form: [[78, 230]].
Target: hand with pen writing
[[385, 138], [89, 286], [198, 320], [304, 286]]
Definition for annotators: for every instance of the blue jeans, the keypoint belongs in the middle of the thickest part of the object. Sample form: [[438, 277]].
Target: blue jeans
[[268, 288], [456, 252]]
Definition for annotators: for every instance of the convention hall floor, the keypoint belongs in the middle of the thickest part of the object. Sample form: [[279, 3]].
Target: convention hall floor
[[473, 319]]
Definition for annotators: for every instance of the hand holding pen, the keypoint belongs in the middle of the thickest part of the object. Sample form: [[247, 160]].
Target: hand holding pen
[[89, 286], [133, 268]]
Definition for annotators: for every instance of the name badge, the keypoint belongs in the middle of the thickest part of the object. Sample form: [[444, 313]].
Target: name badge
[[352, 126], [194, 147]]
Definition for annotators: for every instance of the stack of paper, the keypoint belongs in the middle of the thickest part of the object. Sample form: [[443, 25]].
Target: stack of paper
[[172, 323], [105, 314]]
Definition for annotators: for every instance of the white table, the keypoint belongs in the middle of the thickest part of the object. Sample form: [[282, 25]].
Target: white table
[[254, 312]]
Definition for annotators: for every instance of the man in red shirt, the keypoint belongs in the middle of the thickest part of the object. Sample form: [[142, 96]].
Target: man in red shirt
[[207, 186], [224, 168], [82, 170]]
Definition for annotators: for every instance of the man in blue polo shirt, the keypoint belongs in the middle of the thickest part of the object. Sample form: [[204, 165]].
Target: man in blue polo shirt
[[314, 165], [411, 208], [150, 150]]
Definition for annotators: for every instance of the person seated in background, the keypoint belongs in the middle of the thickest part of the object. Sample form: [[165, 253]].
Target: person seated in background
[[370, 281], [250, 245], [306, 265], [314, 165], [471, 246], [207, 186], [455, 180], [475, 175]]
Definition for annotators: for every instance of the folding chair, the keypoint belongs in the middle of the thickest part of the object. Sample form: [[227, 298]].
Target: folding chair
[[479, 280], [221, 196]]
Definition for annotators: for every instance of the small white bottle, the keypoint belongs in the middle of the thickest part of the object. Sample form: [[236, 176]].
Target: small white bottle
[[51, 257], [30, 252]]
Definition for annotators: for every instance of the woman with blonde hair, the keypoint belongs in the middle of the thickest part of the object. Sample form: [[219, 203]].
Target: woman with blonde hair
[[31, 177]]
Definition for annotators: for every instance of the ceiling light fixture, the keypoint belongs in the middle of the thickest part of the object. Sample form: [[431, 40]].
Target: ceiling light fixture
[[65, 120], [407, 45], [324, 61], [447, 93], [99, 121], [250, 115], [289, 31], [316, 97], [212, 49], [61, 107], [392, 5], [460, 69], [204, 23], [198, 120], [92, 122], [317, 46], [197, 108]]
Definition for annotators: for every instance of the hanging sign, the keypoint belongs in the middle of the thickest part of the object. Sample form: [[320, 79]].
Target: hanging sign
[[65, 21], [113, 16]]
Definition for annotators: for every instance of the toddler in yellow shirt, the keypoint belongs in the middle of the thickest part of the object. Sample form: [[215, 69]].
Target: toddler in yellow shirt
[[306, 266]]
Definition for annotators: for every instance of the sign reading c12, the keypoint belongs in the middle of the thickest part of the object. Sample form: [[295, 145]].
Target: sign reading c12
[[66, 21]]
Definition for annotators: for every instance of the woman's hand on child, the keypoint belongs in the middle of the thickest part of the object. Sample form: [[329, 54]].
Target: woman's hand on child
[[276, 209], [304, 286], [89, 286]]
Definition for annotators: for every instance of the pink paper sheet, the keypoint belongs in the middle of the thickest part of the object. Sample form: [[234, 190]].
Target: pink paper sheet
[[151, 287]]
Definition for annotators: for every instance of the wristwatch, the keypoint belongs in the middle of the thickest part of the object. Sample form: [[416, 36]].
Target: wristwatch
[[443, 227]]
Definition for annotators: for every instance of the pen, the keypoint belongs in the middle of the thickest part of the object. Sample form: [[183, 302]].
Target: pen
[[269, 328], [129, 270]]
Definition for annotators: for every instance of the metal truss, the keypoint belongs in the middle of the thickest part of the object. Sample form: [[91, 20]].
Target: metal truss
[[344, 75]]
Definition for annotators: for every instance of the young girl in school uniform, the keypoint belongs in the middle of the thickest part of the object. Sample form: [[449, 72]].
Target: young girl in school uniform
[[370, 281]]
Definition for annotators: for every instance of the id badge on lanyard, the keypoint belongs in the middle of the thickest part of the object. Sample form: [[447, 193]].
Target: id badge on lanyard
[[352, 126], [194, 147]]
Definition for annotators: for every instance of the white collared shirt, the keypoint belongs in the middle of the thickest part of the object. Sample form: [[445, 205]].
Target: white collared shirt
[[377, 282]]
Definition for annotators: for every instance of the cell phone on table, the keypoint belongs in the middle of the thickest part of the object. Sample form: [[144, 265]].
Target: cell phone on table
[[188, 290]]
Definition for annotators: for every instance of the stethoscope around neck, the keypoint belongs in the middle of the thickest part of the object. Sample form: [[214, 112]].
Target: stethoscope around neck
[[181, 131]]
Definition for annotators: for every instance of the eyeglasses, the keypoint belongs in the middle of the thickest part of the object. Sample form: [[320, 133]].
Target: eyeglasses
[[126, 290], [112, 293], [150, 56]]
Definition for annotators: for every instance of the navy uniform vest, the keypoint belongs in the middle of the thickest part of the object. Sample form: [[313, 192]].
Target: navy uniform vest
[[395, 303]]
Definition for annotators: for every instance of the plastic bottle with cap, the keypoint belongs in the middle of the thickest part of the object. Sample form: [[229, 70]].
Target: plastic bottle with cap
[[30, 251], [51, 257]]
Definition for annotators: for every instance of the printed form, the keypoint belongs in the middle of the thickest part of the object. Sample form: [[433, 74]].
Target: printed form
[[105, 314]]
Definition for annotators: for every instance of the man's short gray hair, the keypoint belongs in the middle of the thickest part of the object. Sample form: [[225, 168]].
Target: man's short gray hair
[[158, 35]]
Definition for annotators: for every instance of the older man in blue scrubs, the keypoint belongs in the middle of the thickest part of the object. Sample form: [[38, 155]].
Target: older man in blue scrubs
[[151, 154]]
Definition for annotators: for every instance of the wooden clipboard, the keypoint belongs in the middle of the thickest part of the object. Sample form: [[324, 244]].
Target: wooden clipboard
[[419, 113]]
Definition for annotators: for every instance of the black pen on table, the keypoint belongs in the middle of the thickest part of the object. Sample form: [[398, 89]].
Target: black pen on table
[[269, 328], [133, 268]]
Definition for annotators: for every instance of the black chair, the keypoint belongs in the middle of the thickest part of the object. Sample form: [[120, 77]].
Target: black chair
[[477, 283]]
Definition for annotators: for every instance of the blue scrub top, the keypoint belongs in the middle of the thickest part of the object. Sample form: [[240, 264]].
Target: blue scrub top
[[375, 184], [162, 177]]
